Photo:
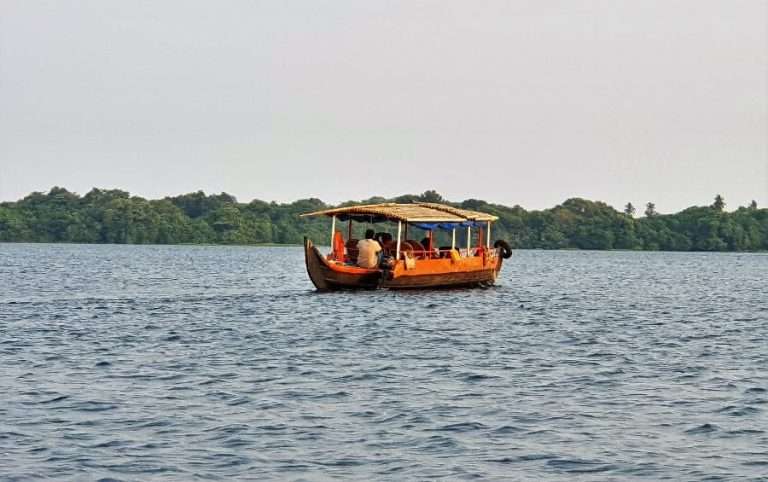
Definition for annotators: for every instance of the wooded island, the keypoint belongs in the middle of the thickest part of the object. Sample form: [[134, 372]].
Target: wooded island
[[114, 216]]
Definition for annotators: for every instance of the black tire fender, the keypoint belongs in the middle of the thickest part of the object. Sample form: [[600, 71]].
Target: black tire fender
[[506, 249]]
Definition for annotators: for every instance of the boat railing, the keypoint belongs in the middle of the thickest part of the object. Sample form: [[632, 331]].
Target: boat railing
[[436, 253], [443, 253]]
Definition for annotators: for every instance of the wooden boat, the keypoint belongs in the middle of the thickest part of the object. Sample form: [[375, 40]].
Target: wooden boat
[[408, 263]]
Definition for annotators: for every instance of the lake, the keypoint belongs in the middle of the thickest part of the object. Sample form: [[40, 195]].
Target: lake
[[194, 363]]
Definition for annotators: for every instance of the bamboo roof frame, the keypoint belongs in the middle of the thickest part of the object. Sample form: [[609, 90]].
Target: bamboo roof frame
[[409, 213]]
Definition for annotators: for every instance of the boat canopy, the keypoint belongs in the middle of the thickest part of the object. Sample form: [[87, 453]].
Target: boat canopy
[[426, 215]]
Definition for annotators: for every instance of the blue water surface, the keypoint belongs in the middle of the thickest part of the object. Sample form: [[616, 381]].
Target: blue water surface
[[216, 363]]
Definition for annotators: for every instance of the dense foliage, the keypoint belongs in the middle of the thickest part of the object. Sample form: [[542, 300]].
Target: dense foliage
[[114, 216]]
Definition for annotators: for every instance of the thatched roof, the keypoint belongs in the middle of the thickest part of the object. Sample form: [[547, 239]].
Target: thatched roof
[[412, 213]]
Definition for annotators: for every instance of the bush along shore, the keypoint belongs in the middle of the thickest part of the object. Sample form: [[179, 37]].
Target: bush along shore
[[114, 216]]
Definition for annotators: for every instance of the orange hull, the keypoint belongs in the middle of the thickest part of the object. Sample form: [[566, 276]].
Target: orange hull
[[329, 275]]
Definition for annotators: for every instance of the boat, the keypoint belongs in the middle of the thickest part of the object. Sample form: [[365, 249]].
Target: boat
[[407, 263]]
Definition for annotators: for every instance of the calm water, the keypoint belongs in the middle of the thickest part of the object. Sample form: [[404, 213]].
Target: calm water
[[185, 363]]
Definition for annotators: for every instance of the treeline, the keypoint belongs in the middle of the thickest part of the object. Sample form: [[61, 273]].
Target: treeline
[[114, 216]]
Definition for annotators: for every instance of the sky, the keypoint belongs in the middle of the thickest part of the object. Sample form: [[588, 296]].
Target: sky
[[514, 102]]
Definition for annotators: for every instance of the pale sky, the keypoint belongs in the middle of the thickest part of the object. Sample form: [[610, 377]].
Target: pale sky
[[514, 102]]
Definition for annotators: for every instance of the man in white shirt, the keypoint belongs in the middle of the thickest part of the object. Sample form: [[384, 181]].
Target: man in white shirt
[[368, 251]]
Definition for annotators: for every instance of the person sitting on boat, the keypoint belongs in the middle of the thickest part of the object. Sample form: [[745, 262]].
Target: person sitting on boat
[[368, 251], [386, 242]]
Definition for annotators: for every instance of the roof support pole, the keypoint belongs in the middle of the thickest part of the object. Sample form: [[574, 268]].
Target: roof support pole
[[333, 230], [469, 239], [488, 238], [397, 250], [453, 238]]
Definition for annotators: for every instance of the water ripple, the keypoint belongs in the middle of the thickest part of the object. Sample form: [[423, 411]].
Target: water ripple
[[184, 363]]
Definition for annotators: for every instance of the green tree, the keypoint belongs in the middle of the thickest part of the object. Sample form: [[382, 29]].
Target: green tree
[[629, 209], [719, 203], [650, 210], [432, 196]]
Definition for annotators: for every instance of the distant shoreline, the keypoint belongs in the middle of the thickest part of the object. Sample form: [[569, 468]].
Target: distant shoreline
[[321, 247], [197, 219]]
